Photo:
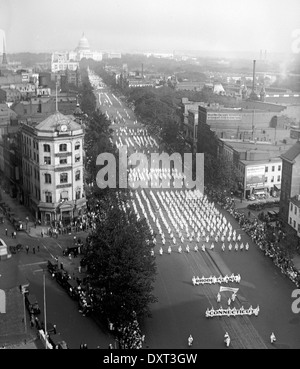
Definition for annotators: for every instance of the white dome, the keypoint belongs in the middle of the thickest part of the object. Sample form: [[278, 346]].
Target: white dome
[[83, 44]]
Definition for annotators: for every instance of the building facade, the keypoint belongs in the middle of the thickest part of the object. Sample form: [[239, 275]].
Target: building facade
[[53, 169], [290, 185], [294, 214]]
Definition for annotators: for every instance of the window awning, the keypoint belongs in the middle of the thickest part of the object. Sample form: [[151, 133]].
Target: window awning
[[277, 187]]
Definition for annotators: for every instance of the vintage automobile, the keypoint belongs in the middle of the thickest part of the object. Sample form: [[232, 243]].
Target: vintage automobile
[[32, 304], [57, 341], [62, 277], [71, 250], [72, 288], [52, 267]]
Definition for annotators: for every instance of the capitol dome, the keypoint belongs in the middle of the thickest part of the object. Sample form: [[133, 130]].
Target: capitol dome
[[83, 44]]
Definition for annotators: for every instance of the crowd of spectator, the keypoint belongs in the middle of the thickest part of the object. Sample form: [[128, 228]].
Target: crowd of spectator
[[260, 234]]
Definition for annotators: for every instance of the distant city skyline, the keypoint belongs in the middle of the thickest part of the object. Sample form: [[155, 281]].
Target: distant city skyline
[[217, 26]]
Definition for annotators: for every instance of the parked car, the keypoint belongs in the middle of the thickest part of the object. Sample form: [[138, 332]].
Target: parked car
[[251, 198], [52, 267], [57, 341], [32, 304]]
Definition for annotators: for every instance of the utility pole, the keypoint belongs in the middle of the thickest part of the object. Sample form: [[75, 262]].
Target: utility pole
[[45, 316], [25, 323]]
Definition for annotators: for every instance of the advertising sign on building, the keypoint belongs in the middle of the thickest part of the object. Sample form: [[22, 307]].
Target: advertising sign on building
[[255, 176]]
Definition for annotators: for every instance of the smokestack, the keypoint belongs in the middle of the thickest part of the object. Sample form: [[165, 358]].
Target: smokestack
[[142, 71], [253, 84], [4, 58], [265, 54], [260, 55]]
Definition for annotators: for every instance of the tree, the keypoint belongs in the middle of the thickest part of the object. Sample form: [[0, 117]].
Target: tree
[[120, 269]]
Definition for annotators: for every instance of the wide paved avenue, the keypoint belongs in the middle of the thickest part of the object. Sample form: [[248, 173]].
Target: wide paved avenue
[[181, 306]]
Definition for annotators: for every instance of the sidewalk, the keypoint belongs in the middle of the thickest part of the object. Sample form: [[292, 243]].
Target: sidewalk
[[25, 345]]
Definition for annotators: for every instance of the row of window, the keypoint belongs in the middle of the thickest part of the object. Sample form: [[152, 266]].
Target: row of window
[[47, 160], [273, 168], [62, 147], [293, 207], [294, 224], [63, 177], [63, 196], [273, 179]]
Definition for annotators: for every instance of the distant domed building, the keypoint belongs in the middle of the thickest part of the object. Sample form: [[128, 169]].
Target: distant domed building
[[83, 51], [83, 45], [70, 60]]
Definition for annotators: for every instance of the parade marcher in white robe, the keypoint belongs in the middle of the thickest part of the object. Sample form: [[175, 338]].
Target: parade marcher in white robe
[[227, 339], [169, 250], [218, 297], [190, 340], [161, 251], [273, 338]]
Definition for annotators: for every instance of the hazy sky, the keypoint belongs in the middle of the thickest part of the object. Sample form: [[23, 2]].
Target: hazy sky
[[162, 25]]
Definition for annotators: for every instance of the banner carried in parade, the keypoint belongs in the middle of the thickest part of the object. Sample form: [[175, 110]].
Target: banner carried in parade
[[210, 313], [214, 280], [230, 289]]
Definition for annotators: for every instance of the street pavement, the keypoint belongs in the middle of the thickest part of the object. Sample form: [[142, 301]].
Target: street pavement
[[181, 307], [29, 268]]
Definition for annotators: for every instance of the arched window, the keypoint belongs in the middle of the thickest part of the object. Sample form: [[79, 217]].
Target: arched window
[[77, 175], [77, 145], [63, 147], [46, 148]]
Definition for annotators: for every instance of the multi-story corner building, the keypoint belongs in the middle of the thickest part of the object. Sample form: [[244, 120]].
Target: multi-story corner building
[[294, 214], [290, 185], [53, 168], [259, 165]]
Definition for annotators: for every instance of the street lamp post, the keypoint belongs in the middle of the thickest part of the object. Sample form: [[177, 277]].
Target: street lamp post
[[45, 314]]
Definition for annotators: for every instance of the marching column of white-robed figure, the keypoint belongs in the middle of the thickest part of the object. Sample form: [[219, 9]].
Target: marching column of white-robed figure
[[190, 340]]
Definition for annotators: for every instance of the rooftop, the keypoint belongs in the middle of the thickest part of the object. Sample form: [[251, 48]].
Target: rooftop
[[55, 120], [296, 200], [292, 153], [261, 162]]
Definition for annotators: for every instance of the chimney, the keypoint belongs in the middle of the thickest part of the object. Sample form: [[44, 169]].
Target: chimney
[[4, 57], [142, 71]]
